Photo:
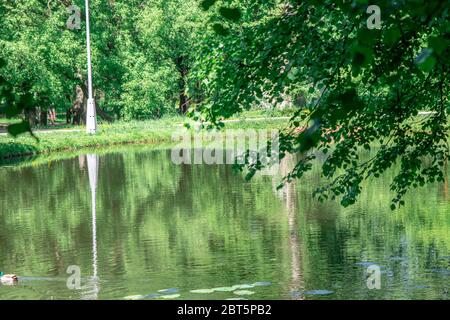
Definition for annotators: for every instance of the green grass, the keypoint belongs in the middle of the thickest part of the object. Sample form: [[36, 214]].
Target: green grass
[[264, 113], [121, 133], [6, 121], [109, 134]]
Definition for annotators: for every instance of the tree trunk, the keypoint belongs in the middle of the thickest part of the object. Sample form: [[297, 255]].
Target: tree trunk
[[184, 102], [101, 113], [30, 116], [76, 112], [183, 70], [43, 118]]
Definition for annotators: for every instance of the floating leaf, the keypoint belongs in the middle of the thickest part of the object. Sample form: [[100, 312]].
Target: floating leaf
[[170, 296], [262, 284], [243, 292], [318, 292], [136, 297], [243, 286], [224, 289], [203, 291], [168, 291]]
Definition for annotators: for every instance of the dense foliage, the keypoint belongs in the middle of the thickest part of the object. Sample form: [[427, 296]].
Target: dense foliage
[[365, 86], [142, 53]]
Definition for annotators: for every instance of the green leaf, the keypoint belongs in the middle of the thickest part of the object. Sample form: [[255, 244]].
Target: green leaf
[[292, 75], [220, 29], [12, 111], [19, 128], [233, 14], [424, 54], [425, 60], [362, 56], [206, 4], [439, 44], [428, 64], [392, 35]]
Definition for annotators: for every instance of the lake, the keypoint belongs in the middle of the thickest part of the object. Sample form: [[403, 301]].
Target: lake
[[165, 231]]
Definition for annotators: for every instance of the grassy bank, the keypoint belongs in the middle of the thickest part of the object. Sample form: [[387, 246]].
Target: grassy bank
[[118, 133]]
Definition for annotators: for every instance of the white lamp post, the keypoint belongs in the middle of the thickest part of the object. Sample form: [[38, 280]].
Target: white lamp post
[[91, 117]]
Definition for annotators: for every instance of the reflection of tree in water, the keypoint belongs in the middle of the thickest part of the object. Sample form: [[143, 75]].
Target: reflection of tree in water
[[156, 217], [445, 185], [290, 201]]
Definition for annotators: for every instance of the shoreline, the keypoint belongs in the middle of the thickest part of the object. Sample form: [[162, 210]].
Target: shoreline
[[121, 133]]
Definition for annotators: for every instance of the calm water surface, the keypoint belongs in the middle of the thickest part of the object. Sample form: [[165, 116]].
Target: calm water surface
[[185, 228]]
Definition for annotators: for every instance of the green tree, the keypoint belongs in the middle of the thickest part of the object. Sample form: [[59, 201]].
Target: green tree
[[142, 55], [171, 32], [39, 57]]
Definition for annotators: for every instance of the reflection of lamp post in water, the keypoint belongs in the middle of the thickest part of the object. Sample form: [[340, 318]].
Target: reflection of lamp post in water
[[93, 285]]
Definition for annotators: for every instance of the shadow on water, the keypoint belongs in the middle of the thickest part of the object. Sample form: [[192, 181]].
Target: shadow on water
[[23, 153]]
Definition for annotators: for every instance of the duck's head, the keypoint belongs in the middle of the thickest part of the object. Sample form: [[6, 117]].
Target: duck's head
[[1, 274]]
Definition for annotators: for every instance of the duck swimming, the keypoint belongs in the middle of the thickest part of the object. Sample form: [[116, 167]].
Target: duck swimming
[[8, 278]]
